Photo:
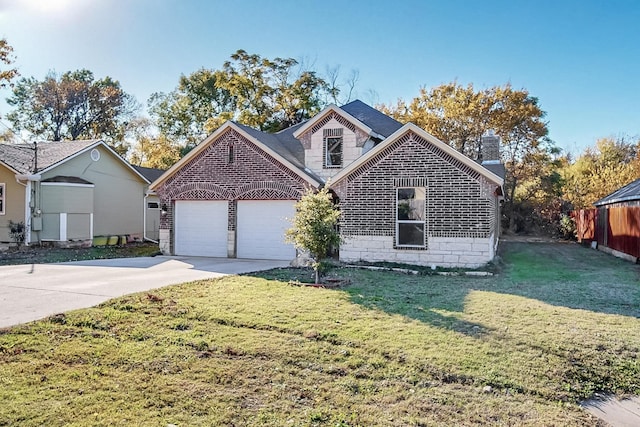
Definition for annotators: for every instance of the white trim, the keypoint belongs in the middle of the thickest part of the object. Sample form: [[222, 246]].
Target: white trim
[[66, 184], [412, 221], [334, 108], [63, 227], [410, 127], [214, 136], [91, 225]]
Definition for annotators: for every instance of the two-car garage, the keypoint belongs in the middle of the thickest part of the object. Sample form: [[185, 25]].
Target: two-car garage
[[201, 228]]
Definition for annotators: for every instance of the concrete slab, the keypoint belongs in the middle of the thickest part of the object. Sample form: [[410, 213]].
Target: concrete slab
[[34, 291], [615, 412]]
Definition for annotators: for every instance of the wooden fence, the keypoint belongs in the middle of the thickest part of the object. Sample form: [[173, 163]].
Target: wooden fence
[[616, 228]]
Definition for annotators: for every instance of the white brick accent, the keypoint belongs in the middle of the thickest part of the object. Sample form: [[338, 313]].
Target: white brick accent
[[165, 242], [442, 252]]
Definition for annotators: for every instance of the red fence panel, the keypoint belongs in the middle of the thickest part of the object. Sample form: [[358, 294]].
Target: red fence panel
[[623, 231]]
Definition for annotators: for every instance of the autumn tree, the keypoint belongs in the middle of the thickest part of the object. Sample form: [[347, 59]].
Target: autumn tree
[[314, 226], [267, 94], [6, 58], [459, 115], [150, 148], [72, 106], [600, 170]]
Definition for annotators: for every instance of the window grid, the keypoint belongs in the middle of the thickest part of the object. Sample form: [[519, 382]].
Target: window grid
[[406, 215]]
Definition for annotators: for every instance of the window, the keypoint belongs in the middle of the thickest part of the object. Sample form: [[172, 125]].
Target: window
[[332, 148], [2, 197], [410, 217], [231, 155], [153, 205]]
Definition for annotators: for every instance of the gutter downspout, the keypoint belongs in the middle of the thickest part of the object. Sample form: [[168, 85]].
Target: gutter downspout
[[27, 202]]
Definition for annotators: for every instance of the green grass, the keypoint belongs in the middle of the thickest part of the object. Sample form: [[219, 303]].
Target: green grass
[[559, 323], [42, 254]]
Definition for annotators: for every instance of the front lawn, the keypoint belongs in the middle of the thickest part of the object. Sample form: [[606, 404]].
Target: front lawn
[[521, 348]]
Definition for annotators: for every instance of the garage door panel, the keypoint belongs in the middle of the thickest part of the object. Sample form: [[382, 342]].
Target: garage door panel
[[201, 228], [261, 228]]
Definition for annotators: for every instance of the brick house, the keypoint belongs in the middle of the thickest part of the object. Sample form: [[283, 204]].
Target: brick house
[[404, 195]]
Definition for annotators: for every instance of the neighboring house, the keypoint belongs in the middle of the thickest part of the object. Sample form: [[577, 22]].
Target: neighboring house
[[404, 195], [615, 222], [70, 191]]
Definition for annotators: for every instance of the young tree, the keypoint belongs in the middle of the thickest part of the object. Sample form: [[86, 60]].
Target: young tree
[[72, 106], [314, 226]]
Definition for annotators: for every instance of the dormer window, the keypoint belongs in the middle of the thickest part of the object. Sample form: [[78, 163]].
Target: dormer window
[[332, 148]]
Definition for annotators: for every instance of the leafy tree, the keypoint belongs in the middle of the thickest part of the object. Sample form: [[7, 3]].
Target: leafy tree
[[600, 170], [314, 226], [267, 94], [459, 115], [6, 57], [150, 149], [72, 106], [193, 110]]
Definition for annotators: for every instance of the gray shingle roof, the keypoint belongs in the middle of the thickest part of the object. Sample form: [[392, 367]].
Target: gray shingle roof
[[627, 193], [496, 168], [151, 174], [21, 157], [376, 120]]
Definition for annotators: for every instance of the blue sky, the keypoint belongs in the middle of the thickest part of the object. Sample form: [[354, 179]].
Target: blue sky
[[580, 58]]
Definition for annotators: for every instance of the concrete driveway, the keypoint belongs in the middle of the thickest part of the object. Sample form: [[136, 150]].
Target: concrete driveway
[[34, 291]]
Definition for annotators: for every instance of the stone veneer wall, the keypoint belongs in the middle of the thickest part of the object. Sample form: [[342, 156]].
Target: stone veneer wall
[[461, 208], [253, 175]]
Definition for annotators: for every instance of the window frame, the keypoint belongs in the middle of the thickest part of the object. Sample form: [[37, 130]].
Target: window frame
[[332, 135], [3, 198], [423, 221]]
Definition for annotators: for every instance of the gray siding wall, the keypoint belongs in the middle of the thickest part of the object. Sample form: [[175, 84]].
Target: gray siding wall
[[118, 201]]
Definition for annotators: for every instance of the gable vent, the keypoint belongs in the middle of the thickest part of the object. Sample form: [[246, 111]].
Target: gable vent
[[328, 133], [410, 182]]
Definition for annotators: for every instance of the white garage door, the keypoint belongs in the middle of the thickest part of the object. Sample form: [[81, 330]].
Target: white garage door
[[201, 228], [261, 226]]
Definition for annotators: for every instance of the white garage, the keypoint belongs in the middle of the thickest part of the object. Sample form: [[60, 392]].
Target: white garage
[[261, 227], [201, 228]]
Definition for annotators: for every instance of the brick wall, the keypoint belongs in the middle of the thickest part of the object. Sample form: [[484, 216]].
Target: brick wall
[[460, 202], [253, 175]]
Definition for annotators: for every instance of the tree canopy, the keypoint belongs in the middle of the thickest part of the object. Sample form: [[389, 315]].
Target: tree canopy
[[459, 115], [6, 58], [267, 94], [600, 170], [72, 106]]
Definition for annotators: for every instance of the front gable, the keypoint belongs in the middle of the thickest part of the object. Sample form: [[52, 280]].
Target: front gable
[[332, 140], [230, 167]]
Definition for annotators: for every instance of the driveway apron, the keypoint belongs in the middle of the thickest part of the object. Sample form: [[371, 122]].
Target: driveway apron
[[33, 291]]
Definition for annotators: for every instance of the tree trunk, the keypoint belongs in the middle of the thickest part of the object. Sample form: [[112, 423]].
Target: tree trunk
[[317, 272]]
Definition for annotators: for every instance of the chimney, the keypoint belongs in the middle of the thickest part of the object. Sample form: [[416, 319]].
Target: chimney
[[490, 148]]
